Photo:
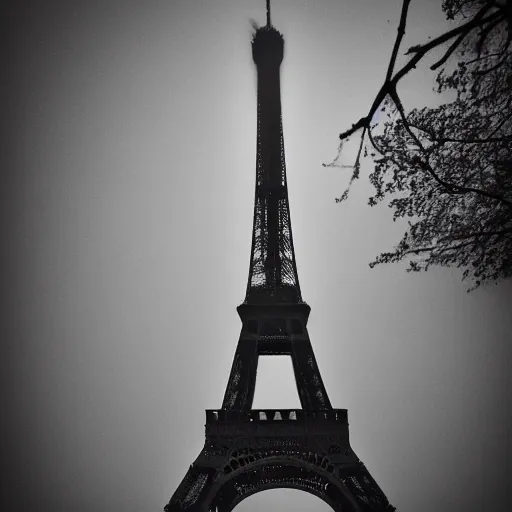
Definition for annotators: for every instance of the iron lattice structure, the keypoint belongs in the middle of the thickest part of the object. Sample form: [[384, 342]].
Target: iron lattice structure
[[273, 272], [247, 450]]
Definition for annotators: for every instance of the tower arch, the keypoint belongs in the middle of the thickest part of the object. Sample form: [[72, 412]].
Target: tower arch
[[308, 497], [284, 500], [275, 473]]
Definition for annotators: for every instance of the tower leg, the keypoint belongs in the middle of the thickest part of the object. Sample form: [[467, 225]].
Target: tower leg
[[242, 379], [312, 393]]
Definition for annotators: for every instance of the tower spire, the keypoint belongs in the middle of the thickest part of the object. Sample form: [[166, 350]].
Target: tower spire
[[269, 23]]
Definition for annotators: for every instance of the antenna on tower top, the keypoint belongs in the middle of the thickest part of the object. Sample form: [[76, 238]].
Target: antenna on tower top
[[268, 14]]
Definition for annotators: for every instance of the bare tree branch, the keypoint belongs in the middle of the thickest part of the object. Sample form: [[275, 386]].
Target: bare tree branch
[[398, 40], [458, 189], [458, 41], [449, 167], [439, 249], [478, 234], [425, 165], [443, 38], [443, 140], [420, 51], [450, 50], [492, 68]]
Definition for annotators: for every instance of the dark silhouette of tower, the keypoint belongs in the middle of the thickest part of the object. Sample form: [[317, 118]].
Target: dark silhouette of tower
[[247, 450]]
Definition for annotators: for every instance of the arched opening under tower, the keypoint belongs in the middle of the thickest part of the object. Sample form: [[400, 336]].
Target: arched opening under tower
[[256, 473], [283, 500]]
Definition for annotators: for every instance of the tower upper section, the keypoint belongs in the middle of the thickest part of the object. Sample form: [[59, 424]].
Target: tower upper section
[[273, 273]]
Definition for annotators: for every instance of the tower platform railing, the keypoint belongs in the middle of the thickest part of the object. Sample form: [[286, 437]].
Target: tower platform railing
[[275, 415]]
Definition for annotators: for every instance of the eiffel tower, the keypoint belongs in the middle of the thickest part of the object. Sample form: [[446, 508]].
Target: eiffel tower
[[247, 450]]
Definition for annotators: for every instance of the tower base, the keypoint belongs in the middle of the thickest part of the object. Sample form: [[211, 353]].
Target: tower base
[[248, 452]]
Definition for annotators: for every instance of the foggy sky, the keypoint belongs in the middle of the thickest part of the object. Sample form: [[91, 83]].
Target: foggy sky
[[128, 167]]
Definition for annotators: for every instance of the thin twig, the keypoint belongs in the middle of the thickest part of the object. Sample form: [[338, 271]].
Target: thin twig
[[439, 249]]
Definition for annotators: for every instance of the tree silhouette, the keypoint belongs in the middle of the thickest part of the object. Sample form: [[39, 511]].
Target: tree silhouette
[[449, 169]]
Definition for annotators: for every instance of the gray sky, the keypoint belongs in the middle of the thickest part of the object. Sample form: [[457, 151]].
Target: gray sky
[[127, 188]]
